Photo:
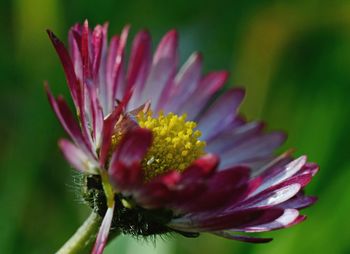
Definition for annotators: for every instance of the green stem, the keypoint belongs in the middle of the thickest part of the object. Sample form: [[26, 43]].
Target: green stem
[[83, 237]]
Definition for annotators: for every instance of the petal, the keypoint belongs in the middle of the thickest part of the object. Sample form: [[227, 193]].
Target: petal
[[249, 239], [97, 46], [102, 235], [139, 65], [204, 166], [207, 87], [193, 182], [96, 114], [67, 120], [270, 197], [85, 44], [221, 114], [257, 148], [178, 92], [275, 176], [118, 75], [74, 46], [77, 158], [217, 222], [66, 63], [107, 89], [107, 130], [222, 188], [159, 191], [300, 201], [125, 167], [288, 218], [162, 70], [234, 137]]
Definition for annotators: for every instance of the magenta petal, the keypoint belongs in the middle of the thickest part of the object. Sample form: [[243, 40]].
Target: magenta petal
[[96, 114], [257, 148], [85, 44], [234, 137], [108, 127], [270, 197], [139, 65], [274, 176], [107, 89], [102, 235], [300, 201], [97, 45], [288, 218], [216, 222], [125, 167], [163, 69], [202, 167], [107, 130], [75, 52], [221, 114], [67, 120], [225, 187], [77, 158], [118, 75], [159, 191], [176, 93], [66, 63], [193, 182], [248, 239], [207, 87]]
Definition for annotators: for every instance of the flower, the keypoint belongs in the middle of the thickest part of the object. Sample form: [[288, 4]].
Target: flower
[[157, 156]]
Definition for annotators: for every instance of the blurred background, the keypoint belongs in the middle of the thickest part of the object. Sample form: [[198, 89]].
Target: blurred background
[[293, 57]]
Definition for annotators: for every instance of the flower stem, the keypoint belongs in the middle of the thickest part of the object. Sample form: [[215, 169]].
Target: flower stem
[[83, 237]]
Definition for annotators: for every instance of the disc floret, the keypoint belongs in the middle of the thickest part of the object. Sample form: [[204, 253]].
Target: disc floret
[[175, 144]]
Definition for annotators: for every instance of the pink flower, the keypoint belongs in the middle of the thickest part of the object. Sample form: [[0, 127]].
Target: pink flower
[[165, 159]]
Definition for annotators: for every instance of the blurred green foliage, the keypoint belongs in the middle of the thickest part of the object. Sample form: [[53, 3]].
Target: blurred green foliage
[[292, 56]]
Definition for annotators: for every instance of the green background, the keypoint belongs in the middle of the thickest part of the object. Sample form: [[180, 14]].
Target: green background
[[293, 57]]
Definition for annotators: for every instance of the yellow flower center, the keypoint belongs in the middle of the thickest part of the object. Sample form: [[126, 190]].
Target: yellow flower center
[[175, 143]]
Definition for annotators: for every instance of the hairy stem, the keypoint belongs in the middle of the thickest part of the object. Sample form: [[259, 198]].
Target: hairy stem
[[83, 237]]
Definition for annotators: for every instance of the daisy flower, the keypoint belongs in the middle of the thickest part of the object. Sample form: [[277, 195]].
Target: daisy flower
[[158, 154]]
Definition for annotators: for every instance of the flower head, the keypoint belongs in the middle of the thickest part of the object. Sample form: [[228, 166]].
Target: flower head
[[157, 157]]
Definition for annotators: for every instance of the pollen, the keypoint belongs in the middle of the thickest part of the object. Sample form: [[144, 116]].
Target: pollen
[[175, 144]]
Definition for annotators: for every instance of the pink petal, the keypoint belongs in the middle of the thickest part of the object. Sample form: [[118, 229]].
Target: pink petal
[[139, 65], [225, 187], [288, 218], [186, 81], [159, 191], [221, 114], [248, 239], [102, 235], [125, 167], [163, 69], [234, 137], [67, 120], [85, 44], [256, 148], [77, 158], [202, 167], [107, 130], [66, 63], [118, 75], [74, 46], [300, 201], [217, 222], [107, 90], [97, 45], [207, 87], [96, 113], [274, 177], [270, 197]]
